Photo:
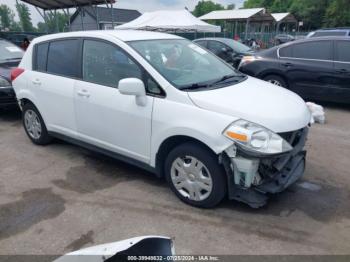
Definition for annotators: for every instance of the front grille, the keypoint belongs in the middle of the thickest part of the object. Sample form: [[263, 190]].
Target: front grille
[[292, 137]]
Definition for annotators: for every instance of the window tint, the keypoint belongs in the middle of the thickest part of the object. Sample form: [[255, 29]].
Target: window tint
[[202, 43], [321, 50], [343, 51], [216, 47], [330, 33], [105, 64], [286, 51], [41, 57], [63, 58]]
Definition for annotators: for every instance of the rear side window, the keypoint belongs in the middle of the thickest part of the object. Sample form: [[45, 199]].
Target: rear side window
[[41, 57], [321, 50], [105, 64], [342, 51], [330, 33], [63, 58]]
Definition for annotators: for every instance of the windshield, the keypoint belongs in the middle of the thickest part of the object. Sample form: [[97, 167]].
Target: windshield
[[9, 51], [184, 64], [238, 47]]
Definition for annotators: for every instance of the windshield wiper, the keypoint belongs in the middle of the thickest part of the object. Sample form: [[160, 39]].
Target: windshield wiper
[[227, 77], [15, 58], [194, 86]]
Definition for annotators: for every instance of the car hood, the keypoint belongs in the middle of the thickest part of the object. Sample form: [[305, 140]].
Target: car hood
[[273, 107]]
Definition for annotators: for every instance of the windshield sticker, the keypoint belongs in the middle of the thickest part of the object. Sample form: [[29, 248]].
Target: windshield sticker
[[198, 49], [13, 49]]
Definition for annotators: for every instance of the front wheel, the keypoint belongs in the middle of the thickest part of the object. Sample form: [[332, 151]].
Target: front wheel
[[276, 80], [195, 175]]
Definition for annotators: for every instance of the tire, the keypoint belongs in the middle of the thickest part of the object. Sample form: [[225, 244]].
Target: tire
[[34, 125], [276, 80], [203, 187]]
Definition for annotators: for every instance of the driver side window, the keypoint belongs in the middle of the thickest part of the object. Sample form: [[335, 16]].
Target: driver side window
[[106, 64], [216, 47]]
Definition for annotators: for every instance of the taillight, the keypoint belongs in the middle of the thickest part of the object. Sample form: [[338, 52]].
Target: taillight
[[16, 72]]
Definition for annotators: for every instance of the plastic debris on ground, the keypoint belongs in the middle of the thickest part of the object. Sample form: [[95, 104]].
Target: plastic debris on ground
[[317, 113]]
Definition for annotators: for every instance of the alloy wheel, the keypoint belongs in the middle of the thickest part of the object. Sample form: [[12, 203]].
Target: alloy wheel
[[32, 124]]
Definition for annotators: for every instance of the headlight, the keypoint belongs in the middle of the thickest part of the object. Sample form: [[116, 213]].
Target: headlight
[[255, 138], [4, 82]]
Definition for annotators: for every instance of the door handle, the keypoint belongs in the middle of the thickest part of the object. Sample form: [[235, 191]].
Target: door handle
[[342, 71], [287, 64], [83, 93], [36, 82]]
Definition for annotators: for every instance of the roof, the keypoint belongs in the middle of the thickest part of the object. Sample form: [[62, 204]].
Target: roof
[[284, 17], [105, 14], [238, 14], [123, 35], [170, 20], [62, 4]]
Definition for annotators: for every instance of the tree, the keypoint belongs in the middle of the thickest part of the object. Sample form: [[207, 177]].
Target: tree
[[51, 23], [231, 7], [205, 7], [7, 19], [24, 17], [338, 14]]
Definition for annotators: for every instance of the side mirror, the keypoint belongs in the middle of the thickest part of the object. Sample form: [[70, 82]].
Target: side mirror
[[133, 87]]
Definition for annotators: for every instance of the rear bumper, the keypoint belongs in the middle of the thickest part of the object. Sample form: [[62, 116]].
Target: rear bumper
[[277, 173], [7, 97]]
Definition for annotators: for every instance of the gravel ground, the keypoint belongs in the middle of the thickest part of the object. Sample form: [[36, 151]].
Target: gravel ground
[[60, 198]]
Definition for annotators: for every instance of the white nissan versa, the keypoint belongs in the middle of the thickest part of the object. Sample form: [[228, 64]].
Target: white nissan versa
[[160, 102]]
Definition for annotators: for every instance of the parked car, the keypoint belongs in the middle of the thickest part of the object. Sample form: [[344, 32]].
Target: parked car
[[162, 103], [227, 49], [330, 32], [315, 68], [283, 38], [10, 56]]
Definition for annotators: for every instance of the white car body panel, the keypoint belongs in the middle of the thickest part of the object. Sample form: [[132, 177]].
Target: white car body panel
[[102, 252], [257, 101]]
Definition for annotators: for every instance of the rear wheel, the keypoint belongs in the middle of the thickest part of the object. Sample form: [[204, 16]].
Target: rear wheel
[[276, 80], [34, 125], [196, 177]]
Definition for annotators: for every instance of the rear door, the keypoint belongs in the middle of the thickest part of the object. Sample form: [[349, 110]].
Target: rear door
[[56, 66], [308, 67], [342, 71], [105, 117]]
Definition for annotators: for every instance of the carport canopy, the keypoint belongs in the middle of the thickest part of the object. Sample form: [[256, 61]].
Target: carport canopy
[[284, 18], [64, 4]]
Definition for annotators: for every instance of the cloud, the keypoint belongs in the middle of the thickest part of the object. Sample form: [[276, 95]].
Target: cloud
[[141, 5]]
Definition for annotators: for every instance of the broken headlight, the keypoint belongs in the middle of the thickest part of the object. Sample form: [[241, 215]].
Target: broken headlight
[[255, 138]]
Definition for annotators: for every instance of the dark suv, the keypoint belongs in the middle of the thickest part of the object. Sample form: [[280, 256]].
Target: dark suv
[[10, 56], [315, 68]]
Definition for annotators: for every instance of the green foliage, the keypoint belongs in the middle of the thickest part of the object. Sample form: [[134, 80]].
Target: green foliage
[[24, 17], [204, 7], [51, 23], [7, 19], [314, 13]]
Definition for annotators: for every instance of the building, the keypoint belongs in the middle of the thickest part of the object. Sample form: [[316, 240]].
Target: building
[[100, 18]]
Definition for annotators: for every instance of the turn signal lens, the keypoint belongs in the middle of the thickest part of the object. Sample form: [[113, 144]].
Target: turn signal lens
[[236, 136]]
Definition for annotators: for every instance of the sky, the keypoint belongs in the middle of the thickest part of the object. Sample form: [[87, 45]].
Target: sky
[[140, 5]]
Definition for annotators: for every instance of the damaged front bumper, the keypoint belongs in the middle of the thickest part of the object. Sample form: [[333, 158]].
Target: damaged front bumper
[[271, 175]]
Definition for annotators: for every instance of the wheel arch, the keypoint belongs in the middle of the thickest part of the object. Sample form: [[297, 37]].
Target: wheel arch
[[169, 144], [276, 73]]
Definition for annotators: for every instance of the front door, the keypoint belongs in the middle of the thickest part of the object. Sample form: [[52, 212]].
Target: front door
[[105, 117], [309, 68]]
